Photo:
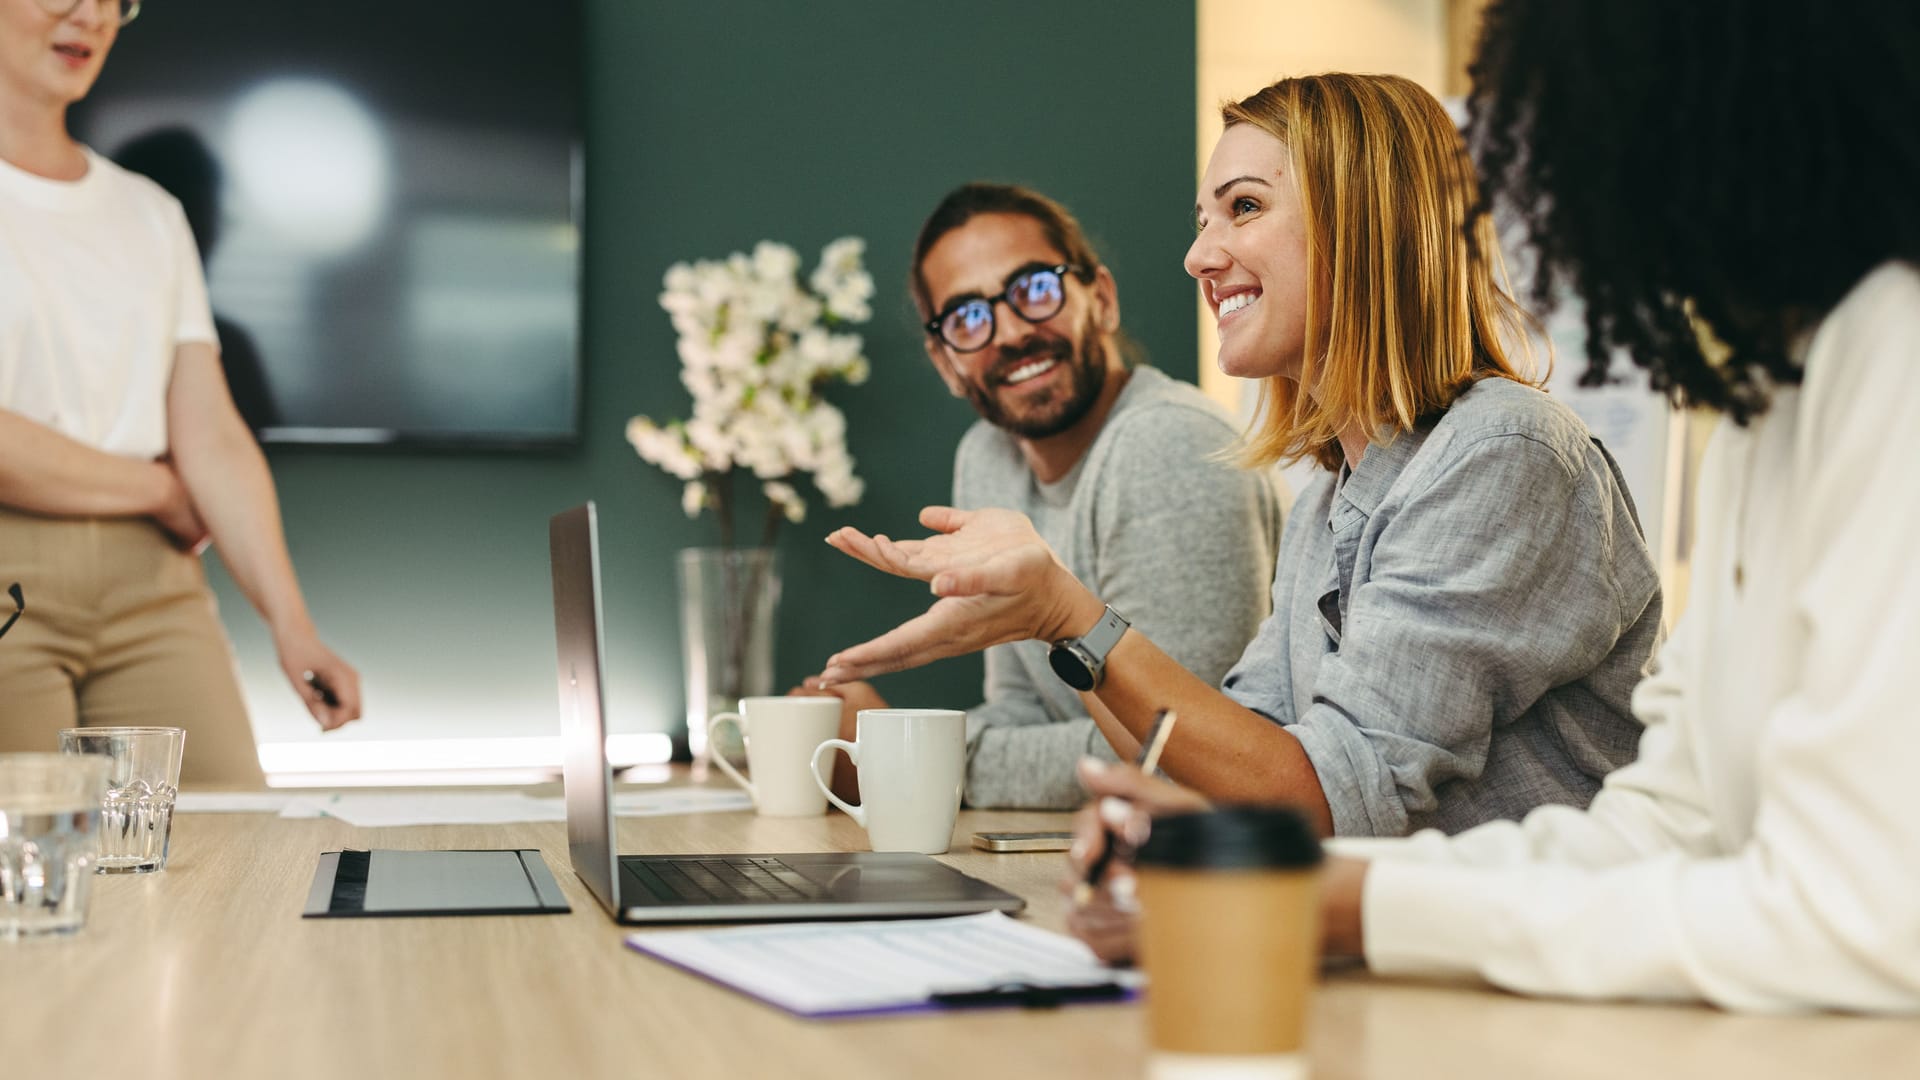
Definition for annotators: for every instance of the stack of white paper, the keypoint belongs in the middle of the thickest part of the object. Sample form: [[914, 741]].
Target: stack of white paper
[[388, 809]]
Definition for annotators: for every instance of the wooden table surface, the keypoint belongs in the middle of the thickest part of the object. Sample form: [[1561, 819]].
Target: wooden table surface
[[207, 970]]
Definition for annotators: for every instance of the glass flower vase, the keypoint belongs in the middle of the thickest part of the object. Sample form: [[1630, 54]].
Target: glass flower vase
[[728, 601]]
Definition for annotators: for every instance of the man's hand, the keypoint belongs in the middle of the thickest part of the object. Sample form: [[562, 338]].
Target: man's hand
[[301, 654], [1125, 801], [997, 580], [853, 696]]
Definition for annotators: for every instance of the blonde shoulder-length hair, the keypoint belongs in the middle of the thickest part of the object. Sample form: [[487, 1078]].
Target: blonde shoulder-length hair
[[1403, 312]]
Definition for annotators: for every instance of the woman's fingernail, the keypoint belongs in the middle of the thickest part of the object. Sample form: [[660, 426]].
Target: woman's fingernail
[[1115, 810], [1078, 852], [1092, 766], [1121, 888]]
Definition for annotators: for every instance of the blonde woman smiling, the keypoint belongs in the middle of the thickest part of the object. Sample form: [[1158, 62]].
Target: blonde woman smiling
[[1462, 603]]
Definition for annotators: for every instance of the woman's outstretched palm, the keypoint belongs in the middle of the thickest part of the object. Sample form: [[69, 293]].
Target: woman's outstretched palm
[[997, 580]]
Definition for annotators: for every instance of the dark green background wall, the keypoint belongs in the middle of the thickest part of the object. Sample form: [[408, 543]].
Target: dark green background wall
[[713, 125]]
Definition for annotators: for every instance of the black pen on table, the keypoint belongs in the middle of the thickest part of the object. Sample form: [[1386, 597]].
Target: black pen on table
[[1149, 759]]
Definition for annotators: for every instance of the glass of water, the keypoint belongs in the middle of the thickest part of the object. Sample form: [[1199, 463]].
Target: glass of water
[[143, 775], [49, 826]]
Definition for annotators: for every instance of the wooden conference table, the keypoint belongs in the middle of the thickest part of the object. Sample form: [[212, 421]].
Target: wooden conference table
[[207, 970]]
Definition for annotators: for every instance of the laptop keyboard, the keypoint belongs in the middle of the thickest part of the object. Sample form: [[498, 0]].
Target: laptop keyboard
[[720, 880]]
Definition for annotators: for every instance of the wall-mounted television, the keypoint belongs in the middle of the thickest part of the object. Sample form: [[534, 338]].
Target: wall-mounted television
[[388, 202]]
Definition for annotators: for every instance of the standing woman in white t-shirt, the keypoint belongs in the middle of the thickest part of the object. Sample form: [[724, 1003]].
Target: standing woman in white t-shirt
[[121, 454]]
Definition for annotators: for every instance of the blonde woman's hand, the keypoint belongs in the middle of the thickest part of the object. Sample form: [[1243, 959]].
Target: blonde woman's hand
[[997, 581]]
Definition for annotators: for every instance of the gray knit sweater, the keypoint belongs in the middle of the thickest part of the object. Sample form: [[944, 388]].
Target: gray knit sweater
[[1181, 545]]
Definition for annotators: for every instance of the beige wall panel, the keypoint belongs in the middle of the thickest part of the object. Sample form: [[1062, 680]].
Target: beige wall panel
[[1247, 44]]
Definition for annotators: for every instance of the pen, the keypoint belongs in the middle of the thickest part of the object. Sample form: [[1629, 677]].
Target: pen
[[1149, 760], [1029, 995], [327, 696]]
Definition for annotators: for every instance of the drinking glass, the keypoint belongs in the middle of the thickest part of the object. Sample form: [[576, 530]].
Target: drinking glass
[[49, 826], [143, 776]]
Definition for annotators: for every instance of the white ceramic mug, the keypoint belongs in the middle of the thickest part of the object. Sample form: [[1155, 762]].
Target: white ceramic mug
[[781, 734], [911, 764]]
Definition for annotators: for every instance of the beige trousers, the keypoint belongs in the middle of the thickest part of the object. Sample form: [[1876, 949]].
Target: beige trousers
[[120, 628]]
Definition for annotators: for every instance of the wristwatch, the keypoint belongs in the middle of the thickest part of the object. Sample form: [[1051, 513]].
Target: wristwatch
[[1080, 662]]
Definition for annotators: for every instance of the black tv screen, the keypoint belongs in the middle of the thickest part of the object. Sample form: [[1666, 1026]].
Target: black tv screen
[[387, 199]]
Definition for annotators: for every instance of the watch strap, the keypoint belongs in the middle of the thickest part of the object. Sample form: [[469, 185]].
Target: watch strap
[[1105, 634]]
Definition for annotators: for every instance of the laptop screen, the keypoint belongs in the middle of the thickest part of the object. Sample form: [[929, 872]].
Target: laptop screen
[[574, 539]]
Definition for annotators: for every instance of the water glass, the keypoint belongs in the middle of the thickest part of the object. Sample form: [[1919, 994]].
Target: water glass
[[49, 826], [143, 775]]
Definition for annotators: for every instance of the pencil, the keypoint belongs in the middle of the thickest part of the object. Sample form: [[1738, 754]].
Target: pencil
[[1148, 761]]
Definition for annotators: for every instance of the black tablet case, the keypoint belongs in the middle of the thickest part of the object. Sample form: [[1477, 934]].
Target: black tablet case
[[361, 884]]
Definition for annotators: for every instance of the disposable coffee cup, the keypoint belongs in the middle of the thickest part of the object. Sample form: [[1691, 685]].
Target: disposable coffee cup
[[1230, 941]]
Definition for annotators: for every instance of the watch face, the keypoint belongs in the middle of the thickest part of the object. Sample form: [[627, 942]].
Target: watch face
[[1071, 667]]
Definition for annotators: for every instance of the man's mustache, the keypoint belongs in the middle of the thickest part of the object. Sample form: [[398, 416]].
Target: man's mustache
[[1012, 358]]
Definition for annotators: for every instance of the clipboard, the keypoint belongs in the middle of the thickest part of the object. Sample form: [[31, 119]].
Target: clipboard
[[843, 970], [373, 884]]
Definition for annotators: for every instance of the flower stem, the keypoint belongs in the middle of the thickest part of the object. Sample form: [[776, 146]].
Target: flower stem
[[722, 487], [772, 525]]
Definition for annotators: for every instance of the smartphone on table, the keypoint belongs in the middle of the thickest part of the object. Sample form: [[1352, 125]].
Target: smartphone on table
[[1023, 841]]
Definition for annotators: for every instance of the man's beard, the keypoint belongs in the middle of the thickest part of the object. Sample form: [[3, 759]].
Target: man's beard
[[1047, 417]]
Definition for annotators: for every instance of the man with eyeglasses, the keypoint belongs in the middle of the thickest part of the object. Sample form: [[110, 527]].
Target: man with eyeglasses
[[1114, 462], [121, 453]]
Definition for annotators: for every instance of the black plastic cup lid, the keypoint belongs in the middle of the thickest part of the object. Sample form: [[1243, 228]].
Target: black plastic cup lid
[[1232, 838]]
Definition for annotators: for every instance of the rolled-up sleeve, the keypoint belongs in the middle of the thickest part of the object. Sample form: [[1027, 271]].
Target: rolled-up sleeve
[[1485, 590]]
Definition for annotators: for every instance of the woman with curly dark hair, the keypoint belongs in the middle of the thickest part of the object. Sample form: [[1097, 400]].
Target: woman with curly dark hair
[[1734, 190]]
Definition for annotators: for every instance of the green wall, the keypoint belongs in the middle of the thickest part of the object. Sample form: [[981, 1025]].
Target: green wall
[[711, 126]]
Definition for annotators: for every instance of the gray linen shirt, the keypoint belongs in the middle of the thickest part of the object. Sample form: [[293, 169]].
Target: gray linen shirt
[[1182, 545], [1459, 622]]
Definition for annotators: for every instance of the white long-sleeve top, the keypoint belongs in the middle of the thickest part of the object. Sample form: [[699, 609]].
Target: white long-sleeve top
[[1763, 852]]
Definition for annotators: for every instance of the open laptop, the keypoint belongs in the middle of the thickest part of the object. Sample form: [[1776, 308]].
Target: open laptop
[[706, 888]]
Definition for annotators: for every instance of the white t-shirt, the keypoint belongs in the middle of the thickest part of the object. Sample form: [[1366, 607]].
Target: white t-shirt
[[1764, 852], [99, 283]]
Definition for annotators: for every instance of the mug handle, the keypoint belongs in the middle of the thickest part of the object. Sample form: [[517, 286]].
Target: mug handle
[[857, 812], [719, 759]]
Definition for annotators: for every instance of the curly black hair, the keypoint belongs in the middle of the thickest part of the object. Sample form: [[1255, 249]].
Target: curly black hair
[[1733, 163]]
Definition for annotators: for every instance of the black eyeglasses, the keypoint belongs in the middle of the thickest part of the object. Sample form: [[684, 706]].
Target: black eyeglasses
[[1035, 295], [19, 608], [125, 11]]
